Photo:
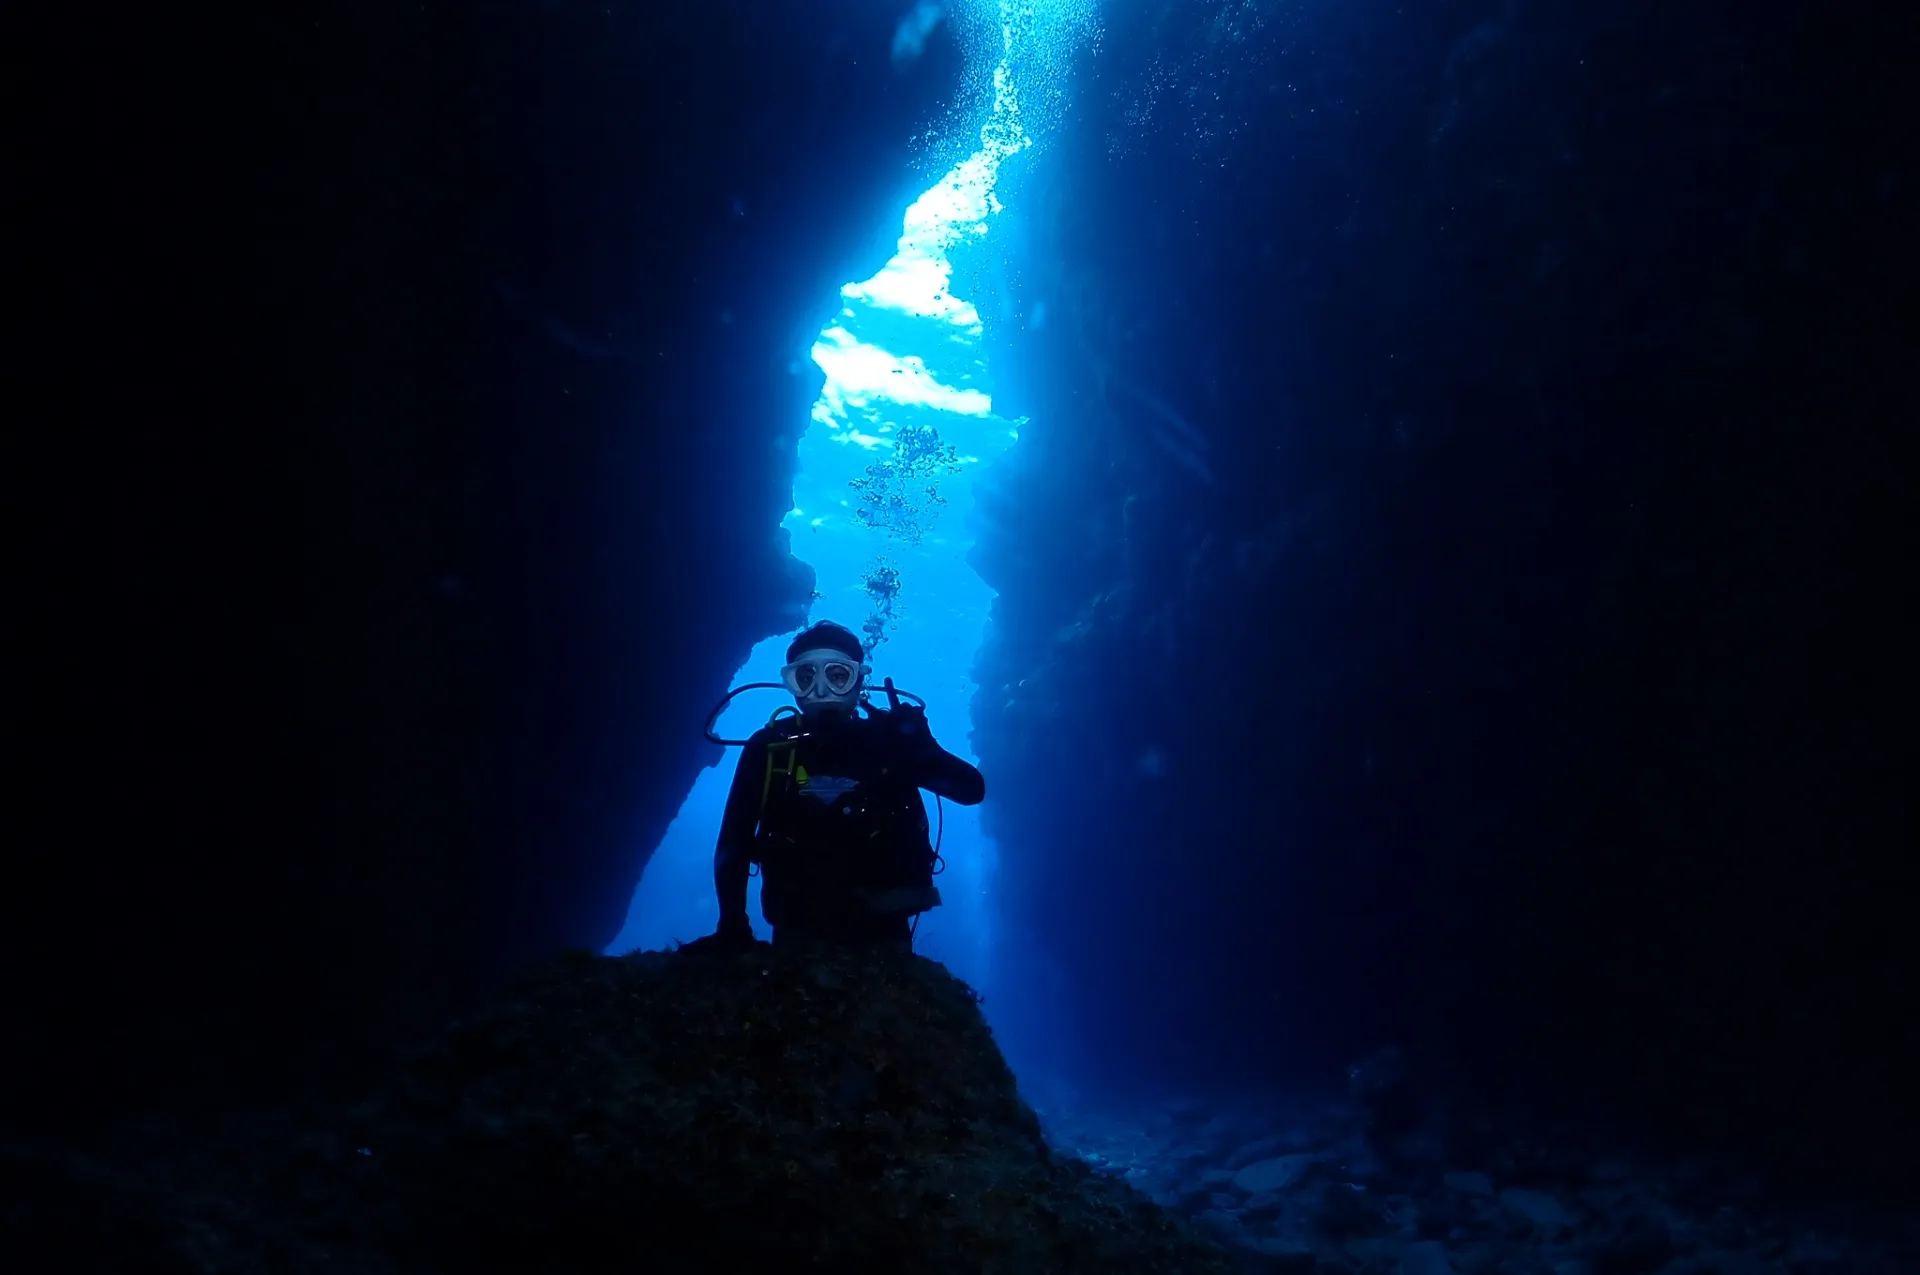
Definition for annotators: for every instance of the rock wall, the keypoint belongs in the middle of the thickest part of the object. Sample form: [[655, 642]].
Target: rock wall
[[1443, 583], [417, 393]]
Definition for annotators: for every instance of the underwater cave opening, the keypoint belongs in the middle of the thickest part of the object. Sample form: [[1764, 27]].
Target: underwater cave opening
[[884, 485]]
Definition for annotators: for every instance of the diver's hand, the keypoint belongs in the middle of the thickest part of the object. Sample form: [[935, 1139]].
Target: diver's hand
[[734, 935], [909, 724], [907, 730]]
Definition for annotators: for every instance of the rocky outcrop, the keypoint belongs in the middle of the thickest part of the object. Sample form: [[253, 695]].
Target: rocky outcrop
[[668, 1112]]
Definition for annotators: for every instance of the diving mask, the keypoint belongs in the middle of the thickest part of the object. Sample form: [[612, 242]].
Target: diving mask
[[825, 680]]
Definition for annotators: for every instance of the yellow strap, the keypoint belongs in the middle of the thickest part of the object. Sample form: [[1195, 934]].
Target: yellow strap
[[791, 747]]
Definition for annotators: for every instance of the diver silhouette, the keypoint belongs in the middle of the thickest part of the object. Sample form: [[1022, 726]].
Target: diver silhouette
[[826, 803]]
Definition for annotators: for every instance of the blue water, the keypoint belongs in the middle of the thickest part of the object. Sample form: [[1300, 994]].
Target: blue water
[[902, 362]]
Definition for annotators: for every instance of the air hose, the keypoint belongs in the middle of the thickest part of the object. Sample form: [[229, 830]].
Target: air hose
[[894, 693], [894, 696]]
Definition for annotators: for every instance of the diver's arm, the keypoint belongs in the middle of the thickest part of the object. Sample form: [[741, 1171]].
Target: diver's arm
[[920, 756], [944, 775], [733, 853]]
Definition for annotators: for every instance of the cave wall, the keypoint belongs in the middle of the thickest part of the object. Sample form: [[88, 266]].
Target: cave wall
[[417, 398], [1442, 588]]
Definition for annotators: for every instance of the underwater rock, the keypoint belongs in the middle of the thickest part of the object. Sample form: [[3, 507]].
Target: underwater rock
[[1264, 1204], [666, 1112], [1286, 1257], [1469, 1183], [1258, 1149], [1425, 1257], [1539, 1210], [1631, 1218], [1641, 1244], [1276, 1174]]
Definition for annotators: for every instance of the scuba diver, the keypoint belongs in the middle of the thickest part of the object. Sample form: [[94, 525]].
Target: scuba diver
[[826, 803]]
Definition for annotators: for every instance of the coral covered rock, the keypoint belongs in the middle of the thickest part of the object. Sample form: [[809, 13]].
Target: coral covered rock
[[687, 1112]]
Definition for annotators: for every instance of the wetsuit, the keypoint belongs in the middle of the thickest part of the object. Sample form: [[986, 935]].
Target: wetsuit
[[842, 842]]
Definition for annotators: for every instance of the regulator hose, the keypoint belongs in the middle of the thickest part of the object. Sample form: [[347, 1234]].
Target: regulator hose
[[894, 695]]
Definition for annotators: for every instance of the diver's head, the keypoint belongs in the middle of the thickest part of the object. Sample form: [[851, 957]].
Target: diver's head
[[826, 671]]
